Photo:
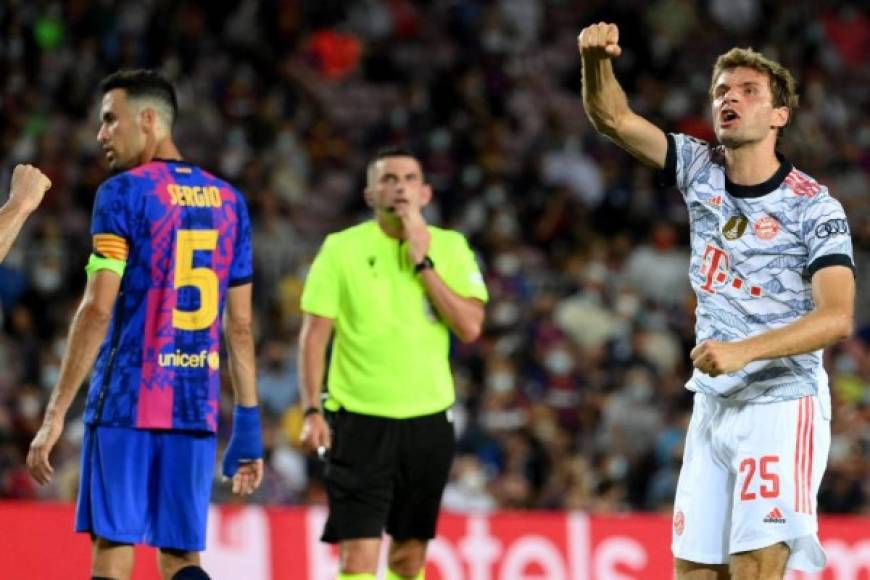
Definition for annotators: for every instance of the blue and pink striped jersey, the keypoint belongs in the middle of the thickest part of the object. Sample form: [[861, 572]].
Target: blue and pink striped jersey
[[186, 237]]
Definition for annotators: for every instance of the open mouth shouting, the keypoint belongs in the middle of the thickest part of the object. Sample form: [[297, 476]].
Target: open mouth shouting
[[728, 117]]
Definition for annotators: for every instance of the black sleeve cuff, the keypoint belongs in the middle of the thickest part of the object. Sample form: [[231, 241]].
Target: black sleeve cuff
[[241, 281], [667, 176], [830, 260]]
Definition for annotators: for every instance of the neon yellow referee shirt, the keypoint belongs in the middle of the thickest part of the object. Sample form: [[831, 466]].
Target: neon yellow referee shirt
[[390, 351]]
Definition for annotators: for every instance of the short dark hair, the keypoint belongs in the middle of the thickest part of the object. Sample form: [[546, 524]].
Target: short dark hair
[[394, 151], [389, 151], [143, 83]]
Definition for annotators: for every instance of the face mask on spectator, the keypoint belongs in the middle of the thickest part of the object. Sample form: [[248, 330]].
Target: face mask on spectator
[[501, 382], [46, 278], [627, 305], [505, 314], [639, 391], [29, 406], [49, 376], [507, 264], [559, 362], [617, 468], [472, 480]]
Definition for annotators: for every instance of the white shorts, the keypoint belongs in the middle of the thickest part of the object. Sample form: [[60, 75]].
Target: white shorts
[[749, 480]]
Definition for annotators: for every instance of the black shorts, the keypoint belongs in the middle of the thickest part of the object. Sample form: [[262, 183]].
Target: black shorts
[[386, 474]]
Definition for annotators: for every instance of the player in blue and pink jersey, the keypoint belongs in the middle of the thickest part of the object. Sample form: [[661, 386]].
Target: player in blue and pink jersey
[[171, 254], [773, 273]]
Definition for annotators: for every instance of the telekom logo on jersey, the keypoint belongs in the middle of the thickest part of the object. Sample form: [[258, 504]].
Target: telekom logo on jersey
[[715, 268]]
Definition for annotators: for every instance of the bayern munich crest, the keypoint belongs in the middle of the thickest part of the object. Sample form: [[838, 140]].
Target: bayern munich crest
[[766, 228]]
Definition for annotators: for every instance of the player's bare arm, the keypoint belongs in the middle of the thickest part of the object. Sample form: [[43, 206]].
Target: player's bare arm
[[240, 345], [606, 103], [26, 191], [243, 375], [313, 340], [463, 315], [87, 331], [831, 320]]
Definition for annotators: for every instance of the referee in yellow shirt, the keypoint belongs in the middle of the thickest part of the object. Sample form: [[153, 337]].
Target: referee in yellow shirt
[[391, 289]]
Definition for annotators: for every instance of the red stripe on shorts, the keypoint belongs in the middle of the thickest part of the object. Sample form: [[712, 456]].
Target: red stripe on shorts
[[797, 456], [803, 464], [810, 440]]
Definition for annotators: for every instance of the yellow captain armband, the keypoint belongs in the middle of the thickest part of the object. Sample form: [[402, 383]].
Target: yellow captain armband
[[97, 263]]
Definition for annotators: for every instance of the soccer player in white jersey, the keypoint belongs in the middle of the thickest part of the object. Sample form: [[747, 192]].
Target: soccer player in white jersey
[[773, 272]]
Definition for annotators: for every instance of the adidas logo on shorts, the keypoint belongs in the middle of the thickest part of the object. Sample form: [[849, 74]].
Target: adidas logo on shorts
[[774, 517]]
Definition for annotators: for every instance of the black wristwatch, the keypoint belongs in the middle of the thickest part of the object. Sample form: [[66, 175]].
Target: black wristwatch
[[312, 411], [425, 264]]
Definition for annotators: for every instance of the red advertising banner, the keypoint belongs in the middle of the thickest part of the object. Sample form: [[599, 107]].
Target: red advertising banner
[[253, 543]]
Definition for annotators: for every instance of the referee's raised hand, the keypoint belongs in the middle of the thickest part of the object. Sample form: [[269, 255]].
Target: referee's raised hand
[[599, 41], [415, 231]]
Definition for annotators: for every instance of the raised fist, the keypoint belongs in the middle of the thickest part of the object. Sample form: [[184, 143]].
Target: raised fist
[[599, 41], [29, 185]]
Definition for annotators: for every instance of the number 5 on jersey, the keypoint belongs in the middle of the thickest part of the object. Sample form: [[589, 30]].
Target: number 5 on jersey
[[203, 279]]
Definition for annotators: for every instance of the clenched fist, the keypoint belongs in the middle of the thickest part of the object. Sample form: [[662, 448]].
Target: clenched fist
[[715, 358], [599, 41], [29, 185]]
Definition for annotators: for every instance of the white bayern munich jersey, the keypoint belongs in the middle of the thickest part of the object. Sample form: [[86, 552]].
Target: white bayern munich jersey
[[754, 251]]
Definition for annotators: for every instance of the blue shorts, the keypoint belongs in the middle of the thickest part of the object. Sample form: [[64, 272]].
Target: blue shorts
[[146, 486]]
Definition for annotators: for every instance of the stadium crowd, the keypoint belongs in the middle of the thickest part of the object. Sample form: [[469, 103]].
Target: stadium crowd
[[574, 397]]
